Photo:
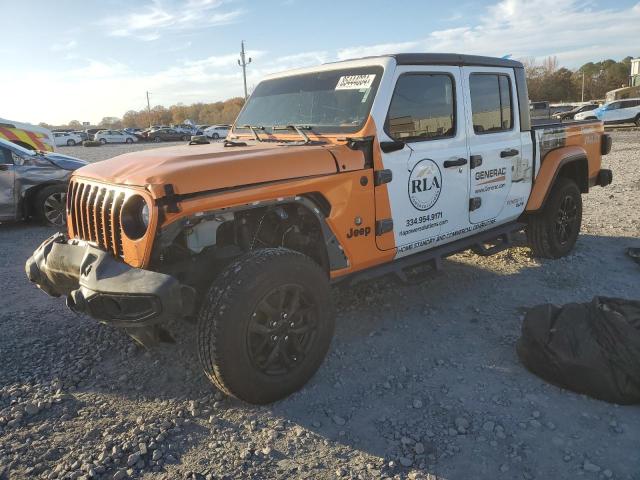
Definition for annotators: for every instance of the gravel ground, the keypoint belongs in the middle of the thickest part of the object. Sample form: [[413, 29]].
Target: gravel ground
[[421, 382]]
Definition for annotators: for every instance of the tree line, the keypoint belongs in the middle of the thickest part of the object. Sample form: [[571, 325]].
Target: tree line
[[224, 112], [546, 81]]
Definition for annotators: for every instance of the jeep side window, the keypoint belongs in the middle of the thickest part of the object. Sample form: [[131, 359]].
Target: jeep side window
[[422, 108], [491, 103]]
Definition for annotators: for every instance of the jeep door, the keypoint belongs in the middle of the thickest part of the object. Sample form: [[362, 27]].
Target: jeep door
[[7, 185], [493, 132], [427, 156]]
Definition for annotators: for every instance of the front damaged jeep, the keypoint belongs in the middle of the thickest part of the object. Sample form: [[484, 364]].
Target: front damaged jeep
[[244, 235], [353, 169]]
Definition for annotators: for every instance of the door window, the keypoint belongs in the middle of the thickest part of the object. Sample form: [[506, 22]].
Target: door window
[[422, 108], [491, 103], [5, 156]]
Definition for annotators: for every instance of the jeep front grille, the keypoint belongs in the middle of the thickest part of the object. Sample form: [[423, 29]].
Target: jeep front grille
[[94, 214]]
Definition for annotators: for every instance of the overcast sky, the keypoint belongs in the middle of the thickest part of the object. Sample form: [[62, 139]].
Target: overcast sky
[[78, 60]]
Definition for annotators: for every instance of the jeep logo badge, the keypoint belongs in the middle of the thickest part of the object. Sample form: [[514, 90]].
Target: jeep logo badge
[[425, 183]]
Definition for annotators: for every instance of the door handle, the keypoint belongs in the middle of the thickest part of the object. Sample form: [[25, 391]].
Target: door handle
[[388, 147], [512, 152], [455, 163]]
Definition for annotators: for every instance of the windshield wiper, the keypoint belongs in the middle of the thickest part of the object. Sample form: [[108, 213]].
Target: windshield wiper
[[254, 129], [298, 129]]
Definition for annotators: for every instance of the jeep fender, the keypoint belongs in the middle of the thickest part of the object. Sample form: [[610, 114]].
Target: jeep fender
[[314, 202], [571, 162]]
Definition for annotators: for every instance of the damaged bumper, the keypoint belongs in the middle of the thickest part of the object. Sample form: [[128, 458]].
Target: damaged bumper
[[109, 290]]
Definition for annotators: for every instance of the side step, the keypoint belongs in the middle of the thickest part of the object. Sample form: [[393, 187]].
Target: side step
[[432, 258], [502, 242]]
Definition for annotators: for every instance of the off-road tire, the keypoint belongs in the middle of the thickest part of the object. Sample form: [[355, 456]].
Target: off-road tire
[[230, 307], [42, 204], [543, 229]]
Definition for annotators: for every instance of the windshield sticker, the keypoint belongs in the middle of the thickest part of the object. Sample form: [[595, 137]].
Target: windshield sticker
[[355, 82]]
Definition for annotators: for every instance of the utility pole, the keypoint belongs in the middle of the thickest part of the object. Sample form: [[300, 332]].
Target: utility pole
[[148, 110], [583, 85], [243, 63]]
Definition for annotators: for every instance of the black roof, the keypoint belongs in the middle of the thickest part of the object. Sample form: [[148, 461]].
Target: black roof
[[452, 59]]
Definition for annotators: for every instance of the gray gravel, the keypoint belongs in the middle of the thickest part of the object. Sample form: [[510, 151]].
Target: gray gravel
[[421, 381]]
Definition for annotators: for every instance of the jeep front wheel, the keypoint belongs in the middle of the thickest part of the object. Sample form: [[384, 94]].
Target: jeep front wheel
[[553, 232], [266, 325]]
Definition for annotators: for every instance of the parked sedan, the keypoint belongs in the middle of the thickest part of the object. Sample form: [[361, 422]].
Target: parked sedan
[[66, 139], [83, 135], [166, 135], [114, 136], [34, 183], [568, 115], [217, 131]]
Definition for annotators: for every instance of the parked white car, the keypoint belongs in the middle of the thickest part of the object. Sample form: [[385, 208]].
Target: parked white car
[[62, 139], [586, 115], [217, 131], [620, 111], [114, 136]]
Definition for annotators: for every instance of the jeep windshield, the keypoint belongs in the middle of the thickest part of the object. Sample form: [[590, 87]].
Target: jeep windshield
[[335, 101]]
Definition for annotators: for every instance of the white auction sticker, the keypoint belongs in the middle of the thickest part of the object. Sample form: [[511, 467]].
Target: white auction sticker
[[355, 82]]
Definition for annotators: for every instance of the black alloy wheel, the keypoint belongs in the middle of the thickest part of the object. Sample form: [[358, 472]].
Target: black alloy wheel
[[567, 220], [282, 330]]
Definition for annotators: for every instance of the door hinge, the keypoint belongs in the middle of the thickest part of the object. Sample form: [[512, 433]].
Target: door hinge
[[380, 177], [476, 161], [384, 226], [474, 203]]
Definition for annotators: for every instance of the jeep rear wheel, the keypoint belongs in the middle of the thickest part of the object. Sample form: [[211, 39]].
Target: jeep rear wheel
[[266, 325], [553, 232]]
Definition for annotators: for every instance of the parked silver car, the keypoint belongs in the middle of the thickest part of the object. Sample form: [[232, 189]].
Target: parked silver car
[[34, 184], [114, 136]]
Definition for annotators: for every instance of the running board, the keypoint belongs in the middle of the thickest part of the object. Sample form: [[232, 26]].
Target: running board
[[432, 258], [502, 242]]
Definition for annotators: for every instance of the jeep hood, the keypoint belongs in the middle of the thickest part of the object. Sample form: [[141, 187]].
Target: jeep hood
[[197, 168]]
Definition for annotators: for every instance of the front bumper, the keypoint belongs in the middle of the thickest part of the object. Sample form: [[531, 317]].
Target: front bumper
[[107, 289]]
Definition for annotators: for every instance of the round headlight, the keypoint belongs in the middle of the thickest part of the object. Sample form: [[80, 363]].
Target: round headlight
[[135, 217]]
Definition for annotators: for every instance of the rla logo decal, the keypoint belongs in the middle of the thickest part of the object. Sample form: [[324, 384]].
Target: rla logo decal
[[425, 184]]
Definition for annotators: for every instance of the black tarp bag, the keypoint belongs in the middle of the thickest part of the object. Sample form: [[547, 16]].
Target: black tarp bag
[[591, 348]]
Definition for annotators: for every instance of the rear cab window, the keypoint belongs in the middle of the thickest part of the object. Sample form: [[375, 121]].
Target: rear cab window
[[491, 102]]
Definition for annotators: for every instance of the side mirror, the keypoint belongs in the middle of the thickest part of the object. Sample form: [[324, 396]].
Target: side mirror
[[17, 159]]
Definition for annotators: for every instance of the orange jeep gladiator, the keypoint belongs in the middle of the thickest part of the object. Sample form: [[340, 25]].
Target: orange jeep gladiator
[[339, 172]]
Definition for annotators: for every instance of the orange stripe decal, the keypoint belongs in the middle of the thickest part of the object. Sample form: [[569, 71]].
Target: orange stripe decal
[[38, 144], [9, 134]]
